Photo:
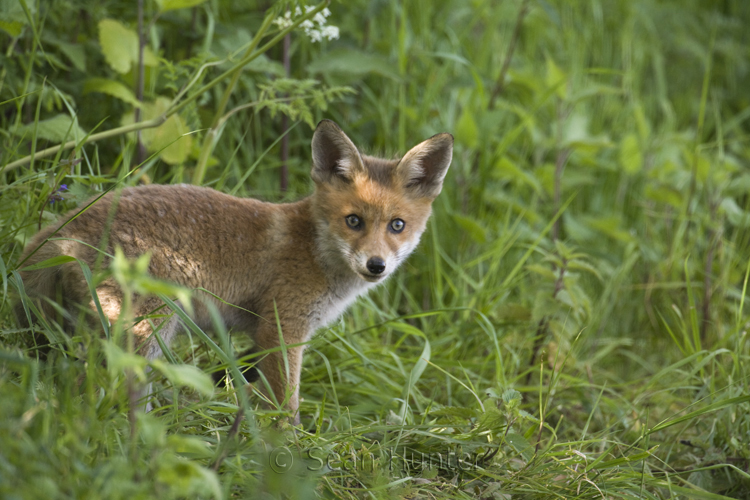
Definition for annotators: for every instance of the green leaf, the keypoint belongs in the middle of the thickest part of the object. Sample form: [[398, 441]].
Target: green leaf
[[543, 271], [52, 262], [631, 157], [168, 139], [521, 445], [75, 53], [263, 64], [467, 132], [353, 62], [185, 376], [491, 420], [664, 194], [111, 87], [165, 5], [584, 266], [697, 413], [187, 479], [152, 429], [117, 360], [4, 274], [512, 397], [55, 129], [619, 461], [190, 445], [454, 411], [472, 227], [12, 16], [735, 215], [117, 43], [120, 46], [556, 79], [13, 28], [644, 128], [609, 226], [506, 168], [421, 363]]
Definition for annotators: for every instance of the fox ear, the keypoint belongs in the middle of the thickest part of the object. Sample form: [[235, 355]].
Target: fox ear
[[334, 155], [423, 168]]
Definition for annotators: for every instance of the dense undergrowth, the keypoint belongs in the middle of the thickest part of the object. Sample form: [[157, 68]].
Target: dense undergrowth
[[574, 323]]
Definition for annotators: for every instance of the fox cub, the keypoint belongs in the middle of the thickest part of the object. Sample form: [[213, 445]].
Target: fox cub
[[305, 261]]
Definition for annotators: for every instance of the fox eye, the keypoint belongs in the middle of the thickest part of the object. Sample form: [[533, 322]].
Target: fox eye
[[353, 221], [397, 225]]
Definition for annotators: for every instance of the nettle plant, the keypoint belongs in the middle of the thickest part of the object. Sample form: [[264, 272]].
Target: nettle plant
[[177, 72]]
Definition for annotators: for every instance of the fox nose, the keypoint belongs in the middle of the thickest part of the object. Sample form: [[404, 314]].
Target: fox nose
[[376, 265]]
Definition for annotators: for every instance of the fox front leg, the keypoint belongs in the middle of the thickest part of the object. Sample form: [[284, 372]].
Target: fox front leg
[[275, 367]]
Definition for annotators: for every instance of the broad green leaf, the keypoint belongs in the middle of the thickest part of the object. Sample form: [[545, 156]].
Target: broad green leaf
[[111, 87], [584, 266], [702, 479], [556, 79], [738, 186], [735, 215], [631, 157], [120, 46], [576, 129], [190, 445], [117, 43], [165, 5], [186, 479], [491, 419], [511, 395], [185, 376], [12, 16], [117, 360], [521, 445], [55, 129], [152, 429], [168, 139], [13, 28], [75, 53]]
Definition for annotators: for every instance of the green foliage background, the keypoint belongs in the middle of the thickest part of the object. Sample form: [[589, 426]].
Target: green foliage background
[[574, 323]]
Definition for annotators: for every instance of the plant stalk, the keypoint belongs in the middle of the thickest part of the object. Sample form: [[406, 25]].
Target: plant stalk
[[209, 141], [500, 85], [140, 149], [175, 108], [284, 172]]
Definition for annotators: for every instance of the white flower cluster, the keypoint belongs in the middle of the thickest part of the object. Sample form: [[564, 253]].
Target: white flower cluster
[[315, 28]]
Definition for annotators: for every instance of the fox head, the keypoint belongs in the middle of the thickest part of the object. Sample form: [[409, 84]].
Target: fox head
[[371, 212]]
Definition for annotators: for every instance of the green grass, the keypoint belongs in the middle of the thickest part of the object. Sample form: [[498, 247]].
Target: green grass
[[596, 213]]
